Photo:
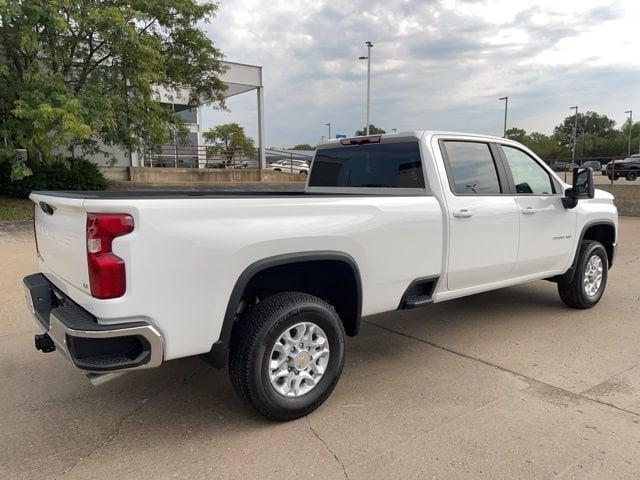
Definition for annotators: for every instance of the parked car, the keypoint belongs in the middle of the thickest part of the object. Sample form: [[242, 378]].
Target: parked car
[[594, 165], [244, 164], [564, 166], [269, 283], [628, 168], [292, 166]]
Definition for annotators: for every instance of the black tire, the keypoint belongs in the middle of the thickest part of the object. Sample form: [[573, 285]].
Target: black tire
[[253, 338], [572, 292], [631, 176]]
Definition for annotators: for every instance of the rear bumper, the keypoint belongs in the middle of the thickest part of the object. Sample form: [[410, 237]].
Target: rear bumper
[[90, 346]]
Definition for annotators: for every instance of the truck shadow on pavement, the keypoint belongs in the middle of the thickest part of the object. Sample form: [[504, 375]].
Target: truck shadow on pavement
[[189, 390]]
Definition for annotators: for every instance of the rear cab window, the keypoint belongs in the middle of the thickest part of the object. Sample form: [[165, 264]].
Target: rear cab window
[[393, 166]]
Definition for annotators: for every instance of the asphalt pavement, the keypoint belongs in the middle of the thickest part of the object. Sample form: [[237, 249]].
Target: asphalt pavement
[[502, 385]]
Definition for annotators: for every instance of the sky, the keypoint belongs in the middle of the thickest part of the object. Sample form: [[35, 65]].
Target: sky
[[439, 65]]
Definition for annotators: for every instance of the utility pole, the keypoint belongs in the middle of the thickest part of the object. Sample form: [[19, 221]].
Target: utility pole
[[506, 106], [630, 112], [328, 124], [368, 59]]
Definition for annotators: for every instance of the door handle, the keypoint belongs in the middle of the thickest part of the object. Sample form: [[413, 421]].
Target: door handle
[[528, 211], [462, 213]]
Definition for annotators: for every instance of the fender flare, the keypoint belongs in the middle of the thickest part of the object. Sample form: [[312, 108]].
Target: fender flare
[[219, 352], [568, 275]]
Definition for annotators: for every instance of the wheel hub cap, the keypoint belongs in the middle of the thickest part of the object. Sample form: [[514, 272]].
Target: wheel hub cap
[[299, 359], [592, 279]]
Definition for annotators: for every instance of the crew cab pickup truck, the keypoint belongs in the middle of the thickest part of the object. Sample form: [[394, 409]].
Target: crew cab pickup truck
[[628, 168], [269, 283]]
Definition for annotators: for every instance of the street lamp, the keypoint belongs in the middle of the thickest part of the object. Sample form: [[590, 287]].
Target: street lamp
[[630, 112], [368, 59], [575, 133], [506, 103], [328, 124]]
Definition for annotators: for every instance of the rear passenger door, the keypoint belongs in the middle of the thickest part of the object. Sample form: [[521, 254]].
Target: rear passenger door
[[483, 223], [547, 229]]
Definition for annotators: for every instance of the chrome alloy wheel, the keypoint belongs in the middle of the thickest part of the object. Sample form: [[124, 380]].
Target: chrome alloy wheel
[[592, 279], [298, 359]]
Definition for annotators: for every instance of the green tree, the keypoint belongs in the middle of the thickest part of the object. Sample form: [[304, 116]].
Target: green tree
[[76, 73], [303, 146], [517, 134], [590, 124], [547, 147], [229, 140], [373, 130]]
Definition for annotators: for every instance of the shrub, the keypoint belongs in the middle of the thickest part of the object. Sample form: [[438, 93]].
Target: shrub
[[56, 174]]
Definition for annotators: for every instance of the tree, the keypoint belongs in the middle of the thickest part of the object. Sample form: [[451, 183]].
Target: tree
[[229, 140], [546, 147], [589, 124], [373, 130], [76, 73], [303, 146]]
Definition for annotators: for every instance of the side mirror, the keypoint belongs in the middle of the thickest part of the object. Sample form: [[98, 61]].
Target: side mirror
[[582, 187]]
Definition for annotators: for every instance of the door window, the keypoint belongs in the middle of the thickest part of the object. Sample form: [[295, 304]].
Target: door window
[[471, 168], [528, 175]]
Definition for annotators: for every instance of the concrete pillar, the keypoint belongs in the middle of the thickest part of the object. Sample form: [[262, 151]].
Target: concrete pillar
[[261, 155]]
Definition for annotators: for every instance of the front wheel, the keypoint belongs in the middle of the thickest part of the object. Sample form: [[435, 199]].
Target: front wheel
[[631, 176], [589, 280], [287, 355]]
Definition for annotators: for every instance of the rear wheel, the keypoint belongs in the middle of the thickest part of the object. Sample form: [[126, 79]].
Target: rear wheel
[[589, 280], [287, 355], [631, 176]]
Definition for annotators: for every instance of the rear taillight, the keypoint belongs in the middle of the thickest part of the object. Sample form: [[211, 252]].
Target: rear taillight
[[106, 270]]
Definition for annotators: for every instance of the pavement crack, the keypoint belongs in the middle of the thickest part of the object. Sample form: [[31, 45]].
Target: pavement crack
[[120, 425], [528, 379], [326, 445]]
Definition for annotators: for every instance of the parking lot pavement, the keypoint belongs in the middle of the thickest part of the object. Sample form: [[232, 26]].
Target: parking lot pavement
[[507, 384]]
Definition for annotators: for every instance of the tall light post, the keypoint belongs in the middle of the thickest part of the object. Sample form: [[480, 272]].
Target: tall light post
[[368, 59], [630, 112], [506, 106], [575, 134], [328, 124]]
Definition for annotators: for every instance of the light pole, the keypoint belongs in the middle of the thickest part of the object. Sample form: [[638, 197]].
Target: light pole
[[506, 104], [368, 59], [575, 133], [630, 112], [328, 124]]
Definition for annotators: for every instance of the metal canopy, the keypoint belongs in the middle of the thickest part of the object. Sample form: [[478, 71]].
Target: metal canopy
[[241, 78]]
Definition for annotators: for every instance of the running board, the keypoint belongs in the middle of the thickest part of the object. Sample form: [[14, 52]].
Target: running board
[[419, 293], [417, 301]]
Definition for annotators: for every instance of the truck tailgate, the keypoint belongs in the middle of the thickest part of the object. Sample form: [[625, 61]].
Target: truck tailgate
[[60, 228]]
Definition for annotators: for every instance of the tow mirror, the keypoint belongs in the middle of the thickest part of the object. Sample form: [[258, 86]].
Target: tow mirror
[[582, 187]]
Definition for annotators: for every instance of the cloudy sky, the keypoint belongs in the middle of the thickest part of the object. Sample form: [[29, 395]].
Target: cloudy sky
[[435, 64]]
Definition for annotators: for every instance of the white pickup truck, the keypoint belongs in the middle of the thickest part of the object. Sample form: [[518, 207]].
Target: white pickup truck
[[271, 282]]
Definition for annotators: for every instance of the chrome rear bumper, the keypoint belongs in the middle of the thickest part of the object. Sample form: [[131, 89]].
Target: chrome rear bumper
[[92, 347]]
